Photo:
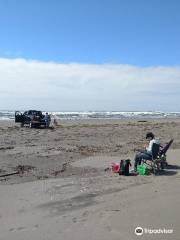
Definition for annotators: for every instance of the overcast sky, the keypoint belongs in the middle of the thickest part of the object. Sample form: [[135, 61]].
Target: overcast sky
[[119, 55]]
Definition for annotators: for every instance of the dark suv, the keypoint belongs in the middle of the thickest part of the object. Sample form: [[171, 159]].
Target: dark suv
[[32, 117]]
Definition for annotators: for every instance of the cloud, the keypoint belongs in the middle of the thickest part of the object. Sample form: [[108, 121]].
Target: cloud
[[75, 86]]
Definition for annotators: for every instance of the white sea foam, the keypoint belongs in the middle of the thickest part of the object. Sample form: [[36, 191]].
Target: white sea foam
[[9, 114]]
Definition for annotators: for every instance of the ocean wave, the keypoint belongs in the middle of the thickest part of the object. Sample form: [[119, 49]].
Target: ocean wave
[[9, 115]]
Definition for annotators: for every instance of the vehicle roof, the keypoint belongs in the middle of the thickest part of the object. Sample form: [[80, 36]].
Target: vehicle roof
[[33, 111]]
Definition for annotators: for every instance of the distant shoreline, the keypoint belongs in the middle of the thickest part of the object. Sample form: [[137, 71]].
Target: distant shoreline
[[80, 115]]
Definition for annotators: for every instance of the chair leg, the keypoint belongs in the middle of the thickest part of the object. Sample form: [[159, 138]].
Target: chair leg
[[153, 165]]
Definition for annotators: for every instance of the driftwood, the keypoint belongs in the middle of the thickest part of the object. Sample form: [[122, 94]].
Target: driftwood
[[9, 174], [20, 169]]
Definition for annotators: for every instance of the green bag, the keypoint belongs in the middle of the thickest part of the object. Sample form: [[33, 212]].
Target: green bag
[[142, 170]]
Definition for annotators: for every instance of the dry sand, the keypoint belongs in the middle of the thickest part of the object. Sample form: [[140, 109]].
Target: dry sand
[[65, 193]]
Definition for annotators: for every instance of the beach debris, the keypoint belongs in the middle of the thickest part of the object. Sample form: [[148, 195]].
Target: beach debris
[[9, 174], [142, 121], [113, 210], [20, 169], [6, 148], [63, 169], [42, 177], [24, 168]]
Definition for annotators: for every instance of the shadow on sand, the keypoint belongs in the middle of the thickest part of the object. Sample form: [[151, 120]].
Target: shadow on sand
[[166, 173], [176, 167], [170, 170]]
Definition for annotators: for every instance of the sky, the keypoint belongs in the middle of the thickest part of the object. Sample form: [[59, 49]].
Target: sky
[[79, 55]]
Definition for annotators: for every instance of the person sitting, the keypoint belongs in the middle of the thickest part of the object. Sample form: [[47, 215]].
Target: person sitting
[[147, 153]]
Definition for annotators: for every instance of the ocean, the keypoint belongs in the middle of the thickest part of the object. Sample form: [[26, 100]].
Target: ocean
[[9, 115]]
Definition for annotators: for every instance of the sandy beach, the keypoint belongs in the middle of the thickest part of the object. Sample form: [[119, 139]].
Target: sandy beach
[[64, 191]]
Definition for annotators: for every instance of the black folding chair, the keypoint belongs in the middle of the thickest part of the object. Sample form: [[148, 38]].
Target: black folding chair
[[155, 158], [162, 154], [154, 161], [158, 160]]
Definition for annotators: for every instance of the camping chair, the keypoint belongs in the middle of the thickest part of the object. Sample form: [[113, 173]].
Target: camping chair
[[158, 161], [162, 153], [154, 161], [155, 158]]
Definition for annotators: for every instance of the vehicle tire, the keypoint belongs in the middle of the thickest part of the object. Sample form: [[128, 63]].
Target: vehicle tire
[[22, 124]]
